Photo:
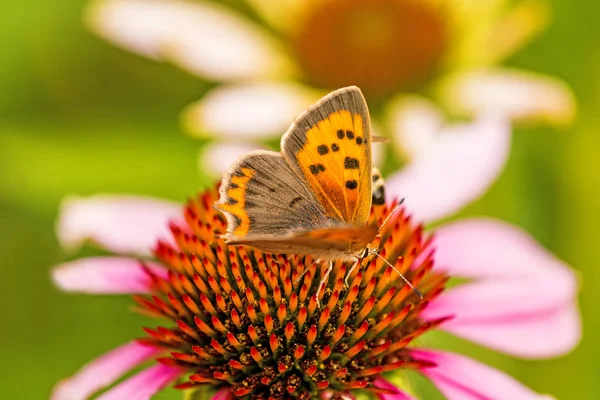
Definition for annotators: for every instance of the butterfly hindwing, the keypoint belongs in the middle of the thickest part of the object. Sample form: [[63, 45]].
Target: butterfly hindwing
[[330, 146], [261, 195]]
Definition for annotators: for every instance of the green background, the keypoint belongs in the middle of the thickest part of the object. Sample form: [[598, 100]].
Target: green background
[[78, 116]]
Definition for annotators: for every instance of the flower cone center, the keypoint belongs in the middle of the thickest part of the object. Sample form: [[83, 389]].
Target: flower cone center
[[380, 45], [250, 321]]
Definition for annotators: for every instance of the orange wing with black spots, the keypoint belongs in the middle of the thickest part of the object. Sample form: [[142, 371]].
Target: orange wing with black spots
[[330, 147]]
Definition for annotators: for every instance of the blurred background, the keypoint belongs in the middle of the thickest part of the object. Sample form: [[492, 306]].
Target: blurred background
[[81, 116]]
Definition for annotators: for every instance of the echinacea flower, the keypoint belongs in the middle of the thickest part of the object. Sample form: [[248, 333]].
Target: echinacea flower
[[246, 324], [397, 51]]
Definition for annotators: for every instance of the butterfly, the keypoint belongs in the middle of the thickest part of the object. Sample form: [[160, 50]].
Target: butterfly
[[314, 197]]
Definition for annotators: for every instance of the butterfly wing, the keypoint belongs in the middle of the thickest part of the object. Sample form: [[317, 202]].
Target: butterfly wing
[[324, 243], [261, 195], [330, 147]]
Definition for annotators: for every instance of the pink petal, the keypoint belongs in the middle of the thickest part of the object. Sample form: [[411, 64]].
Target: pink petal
[[384, 384], [103, 371], [143, 385], [106, 275], [525, 301], [456, 169], [486, 248], [524, 319], [120, 224], [461, 378], [223, 394], [545, 334], [216, 158]]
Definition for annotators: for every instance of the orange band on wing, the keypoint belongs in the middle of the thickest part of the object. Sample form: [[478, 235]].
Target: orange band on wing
[[236, 202]]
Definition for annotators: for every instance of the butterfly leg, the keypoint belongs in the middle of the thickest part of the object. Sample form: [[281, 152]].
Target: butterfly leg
[[356, 262], [323, 281], [301, 275]]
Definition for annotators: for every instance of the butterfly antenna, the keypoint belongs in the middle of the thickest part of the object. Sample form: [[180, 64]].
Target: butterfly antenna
[[385, 221], [417, 291]]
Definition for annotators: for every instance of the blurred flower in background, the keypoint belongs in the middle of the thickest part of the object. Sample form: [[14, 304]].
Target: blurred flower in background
[[408, 56], [248, 323]]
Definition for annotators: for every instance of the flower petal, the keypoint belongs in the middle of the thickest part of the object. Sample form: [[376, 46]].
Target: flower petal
[[485, 248], [216, 158], [223, 394], [107, 275], [250, 111], [523, 304], [461, 378], [455, 169], [491, 31], [118, 223], [545, 334], [516, 94], [384, 384], [281, 14], [415, 122], [103, 371], [203, 37], [512, 31], [143, 385]]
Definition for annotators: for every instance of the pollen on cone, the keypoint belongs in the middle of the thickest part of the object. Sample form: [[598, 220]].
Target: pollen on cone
[[251, 322]]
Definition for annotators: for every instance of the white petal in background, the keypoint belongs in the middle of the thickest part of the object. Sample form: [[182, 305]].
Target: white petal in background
[[378, 150], [415, 122], [216, 158], [519, 95], [121, 224], [203, 37], [248, 112], [456, 168]]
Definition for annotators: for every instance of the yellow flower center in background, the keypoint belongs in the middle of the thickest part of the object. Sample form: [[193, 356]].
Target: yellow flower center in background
[[380, 45]]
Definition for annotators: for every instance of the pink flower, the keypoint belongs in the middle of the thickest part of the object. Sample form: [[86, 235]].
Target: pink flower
[[519, 299]]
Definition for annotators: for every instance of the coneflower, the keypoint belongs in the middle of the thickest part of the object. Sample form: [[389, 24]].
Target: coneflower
[[247, 324]]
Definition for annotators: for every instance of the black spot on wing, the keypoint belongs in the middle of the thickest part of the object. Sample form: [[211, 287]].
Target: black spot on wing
[[294, 201], [335, 147], [316, 168], [351, 184], [359, 140], [340, 134], [323, 149], [350, 135], [350, 163]]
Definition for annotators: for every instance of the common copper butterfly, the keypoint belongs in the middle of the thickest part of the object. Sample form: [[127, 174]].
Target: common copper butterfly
[[313, 197]]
